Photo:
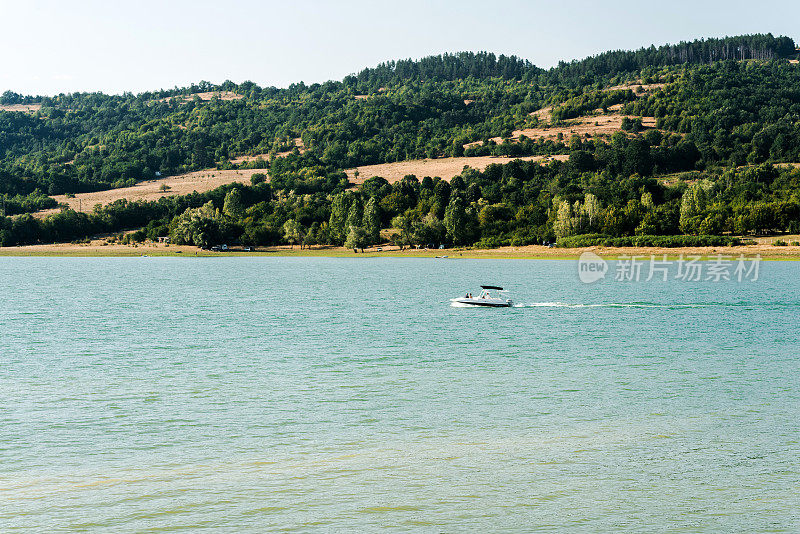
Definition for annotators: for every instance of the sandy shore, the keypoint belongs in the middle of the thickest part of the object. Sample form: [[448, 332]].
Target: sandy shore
[[100, 248]]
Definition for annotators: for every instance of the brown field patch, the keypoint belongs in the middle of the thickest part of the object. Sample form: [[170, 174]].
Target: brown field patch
[[544, 114], [646, 87], [248, 159], [298, 142], [445, 168], [596, 126], [208, 95], [794, 61], [26, 108], [671, 179], [769, 240], [183, 184]]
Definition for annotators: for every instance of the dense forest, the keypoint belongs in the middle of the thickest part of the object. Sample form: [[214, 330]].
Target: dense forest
[[716, 160]]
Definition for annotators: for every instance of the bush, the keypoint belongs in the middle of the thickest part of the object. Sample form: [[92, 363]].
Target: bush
[[18, 204], [664, 241], [492, 242], [257, 178], [779, 243], [631, 125]]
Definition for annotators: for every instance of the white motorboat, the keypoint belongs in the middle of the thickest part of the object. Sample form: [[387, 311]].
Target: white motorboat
[[484, 298]]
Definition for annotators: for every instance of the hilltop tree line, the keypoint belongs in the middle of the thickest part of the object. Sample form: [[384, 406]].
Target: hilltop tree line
[[702, 51]]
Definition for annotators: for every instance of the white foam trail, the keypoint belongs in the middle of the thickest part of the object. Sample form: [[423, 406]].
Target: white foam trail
[[608, 305]]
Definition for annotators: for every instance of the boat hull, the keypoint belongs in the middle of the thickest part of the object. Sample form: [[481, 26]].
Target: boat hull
[[484, 303]]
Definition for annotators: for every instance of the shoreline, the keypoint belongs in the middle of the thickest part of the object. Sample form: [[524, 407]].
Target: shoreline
[[534, 252]]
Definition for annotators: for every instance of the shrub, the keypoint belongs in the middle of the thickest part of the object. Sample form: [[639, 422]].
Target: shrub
[[491, 242], [665, 241], [779, 243]]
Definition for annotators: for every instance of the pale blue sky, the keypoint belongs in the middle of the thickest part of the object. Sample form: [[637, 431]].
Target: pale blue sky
[[52, 46]]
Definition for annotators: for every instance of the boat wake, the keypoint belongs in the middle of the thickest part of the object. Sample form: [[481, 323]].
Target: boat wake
[[617, 305]]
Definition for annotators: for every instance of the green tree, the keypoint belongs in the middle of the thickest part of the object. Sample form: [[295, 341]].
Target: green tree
[[357, 238], [693, 206], [197, 226], [441, 193], [258, 178], [562, 226], [403, 238], [591, 209], [233, 206], [355, 213], [372, 220], [293, 232], [429, 231], [460, 226], [340, 206]]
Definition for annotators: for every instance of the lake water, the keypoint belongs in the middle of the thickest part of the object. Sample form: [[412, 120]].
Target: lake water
[[297, 394]]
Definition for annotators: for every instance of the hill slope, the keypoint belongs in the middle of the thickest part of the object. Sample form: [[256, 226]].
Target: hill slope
[[623, 118]]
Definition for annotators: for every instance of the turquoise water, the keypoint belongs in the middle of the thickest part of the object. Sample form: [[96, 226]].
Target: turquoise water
[[263, 394]]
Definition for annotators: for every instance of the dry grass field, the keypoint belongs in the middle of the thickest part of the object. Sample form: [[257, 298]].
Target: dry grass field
[[544, 114], [208, 179], [298, 142], [247, 159], [224, 95], [599, 124], [27, 108], [593, 126], [646, 87], [444, 168], [183, 184]]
